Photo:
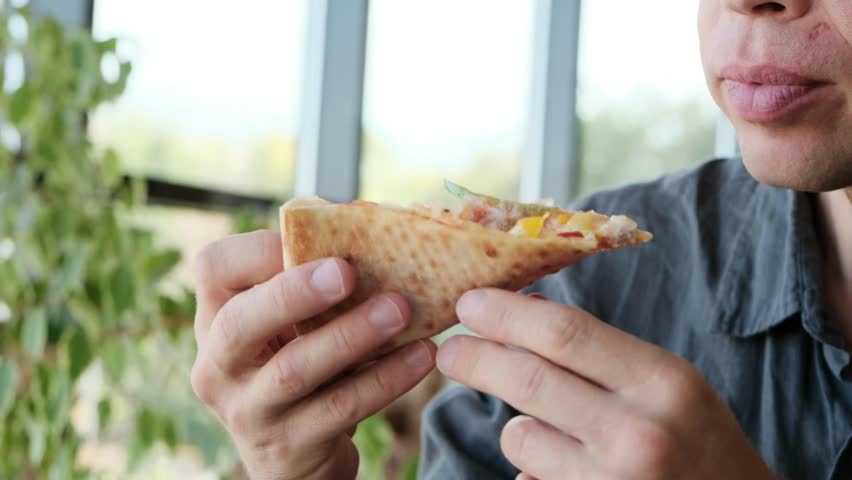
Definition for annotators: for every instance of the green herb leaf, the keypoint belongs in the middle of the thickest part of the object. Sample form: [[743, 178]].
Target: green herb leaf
[[20, 103], [158, 265], [8, 385], [34, 333], [80, 351], [104, 413], [122, 289], [37, 440]]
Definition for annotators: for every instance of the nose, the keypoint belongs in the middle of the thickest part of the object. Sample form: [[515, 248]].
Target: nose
[[781, 10]]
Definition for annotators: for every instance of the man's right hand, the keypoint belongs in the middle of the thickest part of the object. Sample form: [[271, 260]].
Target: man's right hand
[[279, 396]]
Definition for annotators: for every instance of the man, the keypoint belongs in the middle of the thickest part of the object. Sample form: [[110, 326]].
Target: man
[[717, 351]]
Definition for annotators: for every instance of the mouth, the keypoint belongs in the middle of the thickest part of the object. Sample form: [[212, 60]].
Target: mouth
[[766, 94]]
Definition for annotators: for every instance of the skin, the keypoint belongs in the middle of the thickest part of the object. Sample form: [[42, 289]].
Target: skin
[[599, 403]]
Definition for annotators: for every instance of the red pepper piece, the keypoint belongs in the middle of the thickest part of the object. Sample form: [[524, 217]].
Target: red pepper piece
[[571, 234]]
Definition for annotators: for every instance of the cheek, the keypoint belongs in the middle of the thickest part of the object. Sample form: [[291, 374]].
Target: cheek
[[840, 11], [712, 40]]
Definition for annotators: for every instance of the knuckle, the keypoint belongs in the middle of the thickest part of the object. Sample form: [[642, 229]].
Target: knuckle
[[281, 292], [683, 388], [648, 448], [533, 376], [515, 439], [227, 327], [204, 266], [286, 291], [383, 381], [288, 377], [565, 333], [343, 341], [238, 420], [201, 383], [343, 405]]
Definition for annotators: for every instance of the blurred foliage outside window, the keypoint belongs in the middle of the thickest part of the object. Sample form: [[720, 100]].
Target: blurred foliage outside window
[[96, 344]]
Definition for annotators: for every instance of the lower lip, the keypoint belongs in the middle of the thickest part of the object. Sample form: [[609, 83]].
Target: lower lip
[[768, 103]]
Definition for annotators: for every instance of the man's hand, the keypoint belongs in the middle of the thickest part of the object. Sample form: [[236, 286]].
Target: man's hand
[[599, 403], [282, 398]]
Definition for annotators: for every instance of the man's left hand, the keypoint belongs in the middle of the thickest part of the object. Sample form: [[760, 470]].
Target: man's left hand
[[598, 403]]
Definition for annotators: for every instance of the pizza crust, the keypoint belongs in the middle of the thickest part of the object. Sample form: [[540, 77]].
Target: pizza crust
[[430, 260]]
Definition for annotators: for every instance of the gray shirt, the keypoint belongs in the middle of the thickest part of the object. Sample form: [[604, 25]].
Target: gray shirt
[[732, 283]]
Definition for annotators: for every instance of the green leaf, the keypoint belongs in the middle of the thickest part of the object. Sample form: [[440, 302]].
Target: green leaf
[[410, 471], [527, 209], [8, 385], [104, 413], [78, 53], [114, 359], [143, 437], [122, 289], [105, 46], [373, 439], [74, 267], [110, 168], [37, 437], [168, 433], [59, 400], [84, 313], [60, 468], [34, 332], [158, 265], [80, 351], [20, 103]]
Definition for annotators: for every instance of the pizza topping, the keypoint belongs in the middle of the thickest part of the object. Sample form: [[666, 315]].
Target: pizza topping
[[541, 220], [530, 226]]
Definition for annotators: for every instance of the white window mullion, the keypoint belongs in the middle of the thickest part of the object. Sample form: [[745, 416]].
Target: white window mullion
[[550, 163], [329, 155]]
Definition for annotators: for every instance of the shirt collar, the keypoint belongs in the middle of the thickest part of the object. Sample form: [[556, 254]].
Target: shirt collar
[[772, 266]]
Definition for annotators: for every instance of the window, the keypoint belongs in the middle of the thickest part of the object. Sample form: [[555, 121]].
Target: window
[[642, 101], [445, 97], [213, 97]]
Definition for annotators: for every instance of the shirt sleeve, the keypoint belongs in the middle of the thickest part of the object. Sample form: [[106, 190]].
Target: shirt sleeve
[[461, 437]]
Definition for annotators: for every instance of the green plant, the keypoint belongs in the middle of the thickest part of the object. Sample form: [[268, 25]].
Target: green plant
[[84, 288]]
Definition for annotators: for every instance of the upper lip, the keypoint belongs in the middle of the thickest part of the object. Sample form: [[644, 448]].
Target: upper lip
[[767, 75]]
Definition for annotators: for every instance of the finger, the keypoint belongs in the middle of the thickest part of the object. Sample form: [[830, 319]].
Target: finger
[[524, 476], [301, 367], [543, 452], [249, 320], [529, 383], [567, 336], [354, 398], [231, 265]]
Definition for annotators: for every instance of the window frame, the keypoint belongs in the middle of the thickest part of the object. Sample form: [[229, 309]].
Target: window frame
[[329, 156]]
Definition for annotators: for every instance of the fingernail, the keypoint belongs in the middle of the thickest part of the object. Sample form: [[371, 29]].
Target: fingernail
[[327, 279], [470, 304], [386, 315], [417, 356], [447, 354]]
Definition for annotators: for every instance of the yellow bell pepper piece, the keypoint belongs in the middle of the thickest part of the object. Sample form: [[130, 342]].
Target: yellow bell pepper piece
[[532, 226]]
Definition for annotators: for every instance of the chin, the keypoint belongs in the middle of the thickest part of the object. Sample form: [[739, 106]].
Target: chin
[[800, 159]]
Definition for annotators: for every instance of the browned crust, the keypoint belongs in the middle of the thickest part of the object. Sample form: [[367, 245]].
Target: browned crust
[[430, 261]]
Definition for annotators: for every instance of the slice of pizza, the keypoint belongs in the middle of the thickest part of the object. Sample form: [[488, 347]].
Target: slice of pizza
[[432, 255]]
